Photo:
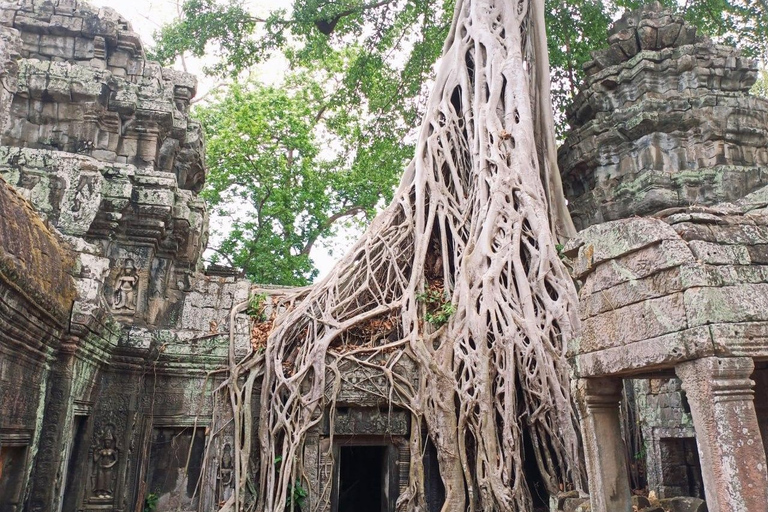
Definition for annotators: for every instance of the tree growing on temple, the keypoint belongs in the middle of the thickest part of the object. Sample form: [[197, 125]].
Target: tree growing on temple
[[362, 65], [461, 276]]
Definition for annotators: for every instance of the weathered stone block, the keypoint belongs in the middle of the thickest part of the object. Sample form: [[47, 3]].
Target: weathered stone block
[[65, 6], [119, 59], [630, 292], [643, 356], [718, 254], [614, 239], [684, 504], [730, 304], [57, 46], [31, 24], [64, 25], [84, 49], [653, 318], [638, 265]]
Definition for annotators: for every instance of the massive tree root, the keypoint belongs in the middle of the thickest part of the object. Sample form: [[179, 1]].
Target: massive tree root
[[460, 274]]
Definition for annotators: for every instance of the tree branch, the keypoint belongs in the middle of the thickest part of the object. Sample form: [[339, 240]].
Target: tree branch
[[349, 212]]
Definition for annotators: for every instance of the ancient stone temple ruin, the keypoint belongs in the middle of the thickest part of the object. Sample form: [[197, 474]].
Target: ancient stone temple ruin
[[664, 128], [109, 329], [113, 338]]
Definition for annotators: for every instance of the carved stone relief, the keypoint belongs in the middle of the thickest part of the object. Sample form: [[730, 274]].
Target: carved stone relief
[[105, 458], [124, 299], [369, 421]]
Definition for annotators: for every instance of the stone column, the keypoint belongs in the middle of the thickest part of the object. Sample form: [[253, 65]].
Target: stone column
[[733, 465], [604, 447]]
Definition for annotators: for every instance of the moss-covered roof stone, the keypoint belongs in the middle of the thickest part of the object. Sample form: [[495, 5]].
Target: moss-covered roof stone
[[32, 259]]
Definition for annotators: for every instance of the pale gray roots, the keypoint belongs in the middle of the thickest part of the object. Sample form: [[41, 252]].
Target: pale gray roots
[[470, 217]]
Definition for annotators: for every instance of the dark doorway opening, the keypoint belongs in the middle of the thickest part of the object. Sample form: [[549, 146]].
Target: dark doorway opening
[[361, 479], [77, 458], [175, 464], [433, 483], [12, 465], [681, 470]]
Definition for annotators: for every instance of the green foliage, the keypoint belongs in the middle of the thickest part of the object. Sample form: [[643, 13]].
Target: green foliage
[[256, 307], [275, 178], [574, 29], [438, 308], [297, 496], [330, 142], [150, 502], [761, 85]]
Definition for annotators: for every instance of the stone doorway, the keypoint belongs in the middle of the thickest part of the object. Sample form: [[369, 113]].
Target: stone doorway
[[12, 472], [78, 460], [365, 476]]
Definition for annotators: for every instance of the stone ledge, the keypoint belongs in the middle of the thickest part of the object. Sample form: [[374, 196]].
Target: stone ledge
[[32, 259]]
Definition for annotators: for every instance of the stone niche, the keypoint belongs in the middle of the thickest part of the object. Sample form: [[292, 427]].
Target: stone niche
[[663, 120]]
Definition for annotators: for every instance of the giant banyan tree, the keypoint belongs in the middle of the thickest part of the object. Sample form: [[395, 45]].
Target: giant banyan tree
[[459, 275]]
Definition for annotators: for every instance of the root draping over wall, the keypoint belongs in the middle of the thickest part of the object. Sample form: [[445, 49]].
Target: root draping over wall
[[460, 274]]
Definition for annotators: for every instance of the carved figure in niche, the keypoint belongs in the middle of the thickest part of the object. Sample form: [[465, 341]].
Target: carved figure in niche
[[106, 458], [226, 474], [125, 287], [83, 193], [226, 467]]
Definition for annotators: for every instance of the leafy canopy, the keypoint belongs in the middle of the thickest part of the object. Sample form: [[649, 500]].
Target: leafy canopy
[[331, 141]]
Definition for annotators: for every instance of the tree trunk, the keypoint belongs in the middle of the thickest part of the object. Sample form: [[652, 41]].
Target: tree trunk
[[464, 259]]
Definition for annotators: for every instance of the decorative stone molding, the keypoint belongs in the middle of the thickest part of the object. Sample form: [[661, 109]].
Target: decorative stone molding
[[664, 120]]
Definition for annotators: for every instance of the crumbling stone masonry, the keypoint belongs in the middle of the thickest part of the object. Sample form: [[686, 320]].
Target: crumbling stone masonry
[[663, 120], [112, 337], [665, 128], [109, 329]]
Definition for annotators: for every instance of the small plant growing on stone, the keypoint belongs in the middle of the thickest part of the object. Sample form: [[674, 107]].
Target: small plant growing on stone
[[257, 307], [297, 495], [439, 309], [150, 502]]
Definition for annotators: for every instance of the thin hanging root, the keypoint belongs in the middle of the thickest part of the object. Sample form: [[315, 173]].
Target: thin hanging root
[[470, 219]]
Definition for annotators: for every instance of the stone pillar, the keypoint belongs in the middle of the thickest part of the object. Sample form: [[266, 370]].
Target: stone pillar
[[732, 458], [604, 447], [46, 481]]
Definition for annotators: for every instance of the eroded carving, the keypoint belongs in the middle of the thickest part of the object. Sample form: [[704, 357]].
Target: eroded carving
[[125, 288], [105, 460]]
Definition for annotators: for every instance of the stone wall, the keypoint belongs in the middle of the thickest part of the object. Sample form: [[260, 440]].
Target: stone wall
[[664, 126], [663, 120], [35, 296], [117, 341]]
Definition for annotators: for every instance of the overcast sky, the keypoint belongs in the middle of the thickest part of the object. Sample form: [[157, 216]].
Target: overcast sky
[[147, 16]]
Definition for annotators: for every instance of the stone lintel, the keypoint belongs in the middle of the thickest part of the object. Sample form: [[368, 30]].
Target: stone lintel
[[649, 355]]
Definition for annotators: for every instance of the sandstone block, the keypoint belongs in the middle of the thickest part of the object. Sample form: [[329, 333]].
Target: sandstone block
[[66, 25], [684, 504], [643, 356], [613, 239], [730, 304], [718, 254], [57, 46]]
